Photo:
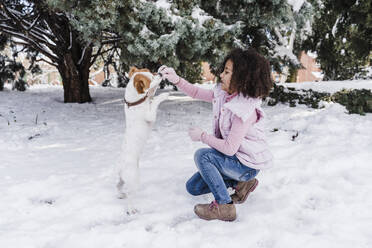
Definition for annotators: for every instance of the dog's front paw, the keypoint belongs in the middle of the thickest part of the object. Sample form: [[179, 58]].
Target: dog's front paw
[[152, 91]]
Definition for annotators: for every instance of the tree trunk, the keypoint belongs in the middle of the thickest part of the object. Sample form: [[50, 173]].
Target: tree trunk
[[75, 80]]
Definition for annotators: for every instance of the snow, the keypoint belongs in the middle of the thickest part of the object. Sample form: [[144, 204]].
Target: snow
[[200, 15], [166, 5], [318, 74], [334, 28], [296, 4], [282, 51], [58, 187], [312, 54], [331, 86]]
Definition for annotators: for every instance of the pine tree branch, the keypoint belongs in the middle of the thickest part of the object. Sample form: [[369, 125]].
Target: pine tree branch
[[280, 37], [48, 62], [32, 28], [101, 53], [57, 27], [111, 41], [94, 57], [34, 22], [16, 24], [29, 42], [12, 15]]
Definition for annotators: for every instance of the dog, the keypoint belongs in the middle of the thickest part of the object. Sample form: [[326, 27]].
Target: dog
[[140, 114]]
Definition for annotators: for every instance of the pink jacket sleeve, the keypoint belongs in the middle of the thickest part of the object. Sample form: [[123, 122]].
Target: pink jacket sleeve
[[231, 144], [194, 91]]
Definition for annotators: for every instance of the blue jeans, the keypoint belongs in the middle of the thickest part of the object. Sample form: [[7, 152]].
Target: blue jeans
[[217, 172]]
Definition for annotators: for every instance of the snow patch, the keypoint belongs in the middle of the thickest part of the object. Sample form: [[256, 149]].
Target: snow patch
[[58, 189], [296, 4]]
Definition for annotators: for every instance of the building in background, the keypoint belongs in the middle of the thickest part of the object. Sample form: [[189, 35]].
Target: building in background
[[311, 71]]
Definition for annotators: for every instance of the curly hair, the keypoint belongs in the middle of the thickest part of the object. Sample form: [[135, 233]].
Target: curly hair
[[251, 74]]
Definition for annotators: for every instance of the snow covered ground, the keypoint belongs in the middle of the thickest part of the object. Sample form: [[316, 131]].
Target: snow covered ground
[[332, 86], [57, 177]]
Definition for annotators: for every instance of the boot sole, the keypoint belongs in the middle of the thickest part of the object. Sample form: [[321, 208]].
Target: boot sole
[[203, 218], [254, 186], [232, 218]]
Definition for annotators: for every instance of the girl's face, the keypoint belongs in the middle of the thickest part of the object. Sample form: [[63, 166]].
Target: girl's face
[[226, 76]]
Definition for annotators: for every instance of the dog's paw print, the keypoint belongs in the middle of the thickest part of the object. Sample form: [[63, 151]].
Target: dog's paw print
[[131, 211], [122, 195]]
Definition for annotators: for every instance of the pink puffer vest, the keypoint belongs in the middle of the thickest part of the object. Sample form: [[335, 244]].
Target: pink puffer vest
[[254, 151]]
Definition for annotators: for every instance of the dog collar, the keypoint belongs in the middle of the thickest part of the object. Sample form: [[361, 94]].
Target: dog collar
[[130, 104]]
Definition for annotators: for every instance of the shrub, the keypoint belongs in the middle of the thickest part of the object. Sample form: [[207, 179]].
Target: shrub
[[356, 101], [308, 97]]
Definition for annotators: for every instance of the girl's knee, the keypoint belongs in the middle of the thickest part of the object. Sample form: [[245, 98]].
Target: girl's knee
[[201, 153]]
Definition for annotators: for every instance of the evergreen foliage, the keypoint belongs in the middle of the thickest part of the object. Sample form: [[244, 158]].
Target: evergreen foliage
[[41, 26], [11, 70], [356, 101], [341, 37], [183, 33], [308, 97], [152, 33], [258, 21]]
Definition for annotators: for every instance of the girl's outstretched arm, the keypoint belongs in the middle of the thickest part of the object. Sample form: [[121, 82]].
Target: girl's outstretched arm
[[191, 90], [195, 91]]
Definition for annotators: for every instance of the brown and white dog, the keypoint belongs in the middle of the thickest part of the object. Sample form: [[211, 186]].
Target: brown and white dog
[[140, 114]]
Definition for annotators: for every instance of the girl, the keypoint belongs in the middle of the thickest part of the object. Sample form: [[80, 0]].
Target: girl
[[238, 147]]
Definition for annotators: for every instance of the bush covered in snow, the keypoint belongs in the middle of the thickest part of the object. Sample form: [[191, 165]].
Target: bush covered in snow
[[296, 96], [357, 101]]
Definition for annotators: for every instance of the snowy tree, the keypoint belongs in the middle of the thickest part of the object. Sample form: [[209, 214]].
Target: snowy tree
[[72, 34], [153, 33], [274, 28], [5, 71], [183, 33], [195, 30], [341, 37], [10, 69], [42, 27]]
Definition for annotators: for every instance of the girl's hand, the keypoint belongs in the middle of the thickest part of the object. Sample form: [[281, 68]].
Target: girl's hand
[[195, 133], [169, 74]]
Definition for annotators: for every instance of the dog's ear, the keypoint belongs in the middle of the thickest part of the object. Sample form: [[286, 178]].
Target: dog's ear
[[141, 83], [132, 70]]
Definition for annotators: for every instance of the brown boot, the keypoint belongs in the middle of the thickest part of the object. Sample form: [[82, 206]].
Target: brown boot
[[243, 189], [225, 212]]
